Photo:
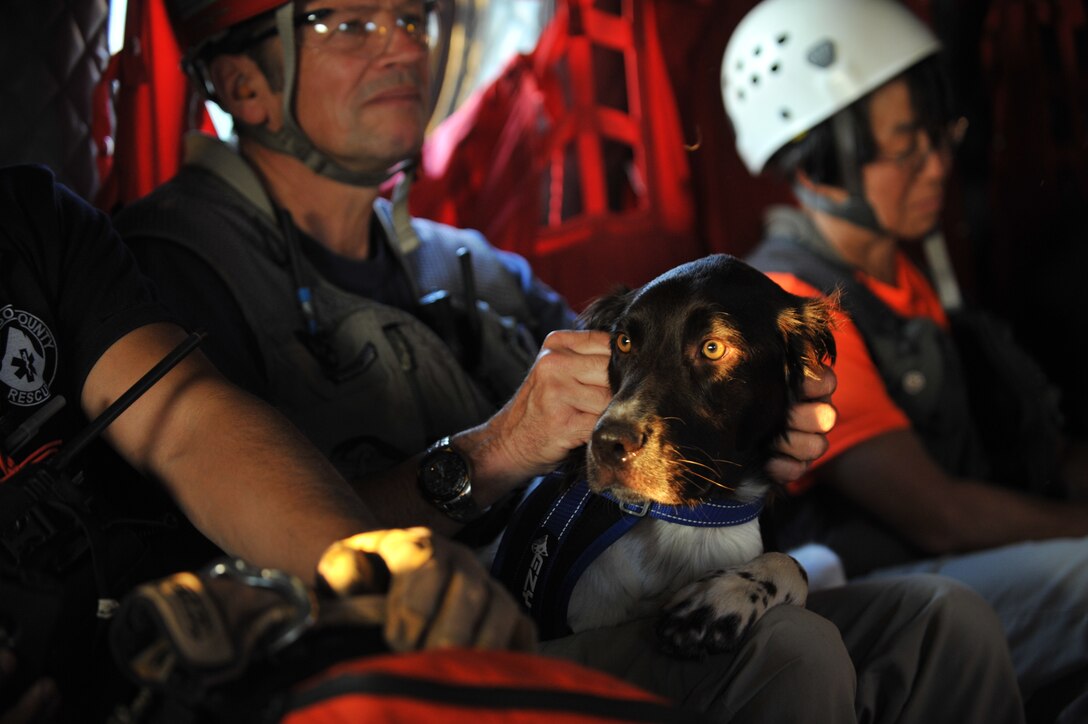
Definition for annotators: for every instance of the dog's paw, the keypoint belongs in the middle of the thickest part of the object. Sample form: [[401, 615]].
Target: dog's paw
[[714, 613]]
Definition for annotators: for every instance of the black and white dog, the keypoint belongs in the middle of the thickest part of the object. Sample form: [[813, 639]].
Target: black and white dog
[[659, 513]]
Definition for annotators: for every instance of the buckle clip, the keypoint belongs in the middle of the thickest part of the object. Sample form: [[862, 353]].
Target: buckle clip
[[639, 510]]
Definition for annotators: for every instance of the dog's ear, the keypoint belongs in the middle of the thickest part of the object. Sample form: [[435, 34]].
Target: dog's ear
[[604, 310], [808, 328]]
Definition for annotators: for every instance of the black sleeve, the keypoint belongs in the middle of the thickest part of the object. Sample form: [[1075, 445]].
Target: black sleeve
[[194, 291], [100, 294]]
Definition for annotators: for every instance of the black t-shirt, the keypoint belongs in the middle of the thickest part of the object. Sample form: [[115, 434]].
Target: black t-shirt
[[69, 289]]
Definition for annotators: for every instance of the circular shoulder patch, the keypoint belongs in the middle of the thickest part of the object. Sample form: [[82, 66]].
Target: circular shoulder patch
[[28, 358]]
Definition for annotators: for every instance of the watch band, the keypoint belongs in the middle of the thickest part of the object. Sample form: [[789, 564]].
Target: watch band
[[445, 481]]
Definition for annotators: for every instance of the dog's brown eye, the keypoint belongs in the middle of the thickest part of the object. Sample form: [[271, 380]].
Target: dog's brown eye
[[713, 349], [623, 343]]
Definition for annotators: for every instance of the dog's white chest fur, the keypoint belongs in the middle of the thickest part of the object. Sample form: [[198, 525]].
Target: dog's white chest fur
[[638, 573]]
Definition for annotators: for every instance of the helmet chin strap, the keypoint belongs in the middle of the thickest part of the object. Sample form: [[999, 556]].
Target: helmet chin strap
[[290, 138], [856, 208]]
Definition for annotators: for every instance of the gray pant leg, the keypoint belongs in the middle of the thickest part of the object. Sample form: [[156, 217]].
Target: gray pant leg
[[791, 668], [926, 650], [1040, 592]]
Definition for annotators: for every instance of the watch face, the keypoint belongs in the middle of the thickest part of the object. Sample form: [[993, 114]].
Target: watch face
[[444, 474]]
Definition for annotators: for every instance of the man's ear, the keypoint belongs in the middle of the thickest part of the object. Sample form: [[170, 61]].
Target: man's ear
[[242, 90], [836, 194]]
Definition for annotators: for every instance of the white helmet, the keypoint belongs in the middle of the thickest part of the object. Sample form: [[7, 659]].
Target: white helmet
[[791, 64]]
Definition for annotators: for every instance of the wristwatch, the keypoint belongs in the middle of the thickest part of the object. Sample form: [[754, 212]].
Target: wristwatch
[[445, 481]]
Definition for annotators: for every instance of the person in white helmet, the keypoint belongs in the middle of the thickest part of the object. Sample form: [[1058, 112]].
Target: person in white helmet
[[846, 99], [363, 326]]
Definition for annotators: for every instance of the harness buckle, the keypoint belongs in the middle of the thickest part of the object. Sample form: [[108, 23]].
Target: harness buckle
[[639, 510]]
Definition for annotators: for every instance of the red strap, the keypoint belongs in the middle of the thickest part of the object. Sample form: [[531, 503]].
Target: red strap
[[151, 107], [544, 164]]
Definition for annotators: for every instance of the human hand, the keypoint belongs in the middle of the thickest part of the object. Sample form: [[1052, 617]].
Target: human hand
[[553, 412], [439, 594], [809, 422], [39, 703]]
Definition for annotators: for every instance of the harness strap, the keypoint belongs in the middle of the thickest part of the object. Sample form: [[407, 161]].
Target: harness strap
[[559, 530], [704, 515]]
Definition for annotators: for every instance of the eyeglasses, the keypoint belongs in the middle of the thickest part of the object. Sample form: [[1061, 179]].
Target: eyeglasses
[[358, 30], [914, 157]]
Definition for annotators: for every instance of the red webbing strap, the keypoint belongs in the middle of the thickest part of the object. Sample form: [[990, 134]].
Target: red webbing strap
[[668, 170], [650, 127], [151, 108], [573, 156]]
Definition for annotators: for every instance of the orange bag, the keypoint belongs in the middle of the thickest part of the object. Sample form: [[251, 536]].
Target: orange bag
[[475, 687]]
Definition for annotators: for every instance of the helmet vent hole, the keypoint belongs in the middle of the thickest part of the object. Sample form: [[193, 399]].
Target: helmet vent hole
[[822, 54], [783, 38], [755, 80], [757, 51], [775, 67], [785, 113]]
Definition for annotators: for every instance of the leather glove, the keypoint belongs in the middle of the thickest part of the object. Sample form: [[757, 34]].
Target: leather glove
[[208, 626], [439, 595]]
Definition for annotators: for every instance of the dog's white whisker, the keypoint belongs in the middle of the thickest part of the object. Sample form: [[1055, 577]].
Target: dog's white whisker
[[710, 480], [694, 462], [716, 461]]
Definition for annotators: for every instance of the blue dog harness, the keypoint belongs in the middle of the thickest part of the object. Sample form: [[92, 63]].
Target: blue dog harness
[[555, 534]]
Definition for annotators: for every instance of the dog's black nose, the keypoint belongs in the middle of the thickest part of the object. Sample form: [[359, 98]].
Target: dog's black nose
[[615, 444]]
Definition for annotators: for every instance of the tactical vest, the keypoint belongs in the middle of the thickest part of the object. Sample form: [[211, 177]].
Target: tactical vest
[[916, 359], [388, 385], [980, 404]]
